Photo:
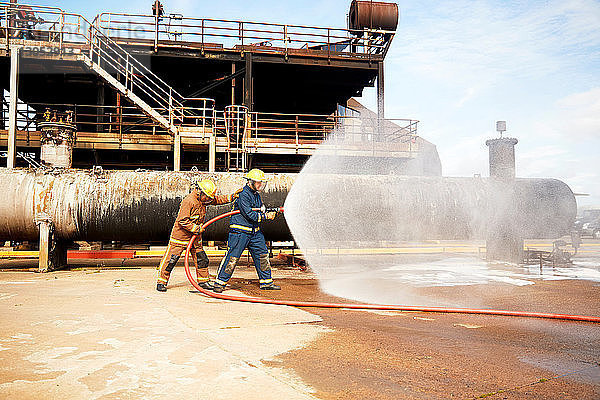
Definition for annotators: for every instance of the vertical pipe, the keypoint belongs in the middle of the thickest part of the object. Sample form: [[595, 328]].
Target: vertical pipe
[[62, 29], [202, 46], [119, 113], [504, 240], [12, 111], [328, 46], [100, 100], [285, 40], [177, 152], [380, 91], [212, 152], [126, 71], [171, 107], [241, 27], [156, 25], [296, 130], [248, 92], [232, 84], [502, 158]]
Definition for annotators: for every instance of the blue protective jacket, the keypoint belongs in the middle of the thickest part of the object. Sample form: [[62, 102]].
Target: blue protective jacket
[[247, 220]]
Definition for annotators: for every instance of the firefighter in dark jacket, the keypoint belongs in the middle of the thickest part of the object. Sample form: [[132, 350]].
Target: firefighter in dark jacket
[[188, 223], [244, 232]]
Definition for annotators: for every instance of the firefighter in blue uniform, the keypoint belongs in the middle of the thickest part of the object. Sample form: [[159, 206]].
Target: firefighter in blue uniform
[[244, 232]]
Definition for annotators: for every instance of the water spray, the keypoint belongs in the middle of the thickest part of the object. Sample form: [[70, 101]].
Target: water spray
[[386, 307]]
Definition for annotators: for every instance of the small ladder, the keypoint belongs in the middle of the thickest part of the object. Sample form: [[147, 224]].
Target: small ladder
[[236, 128]]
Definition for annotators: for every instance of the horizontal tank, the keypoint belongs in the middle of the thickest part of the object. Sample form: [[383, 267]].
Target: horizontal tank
[[142, 205], [373, 15], [114, 205], [346, 208]]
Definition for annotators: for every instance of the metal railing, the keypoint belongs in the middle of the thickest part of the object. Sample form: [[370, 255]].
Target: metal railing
[[232, 34], [240, 130], [63, 31], [302, 129], [197, 112], [69, 32], [89, 118]]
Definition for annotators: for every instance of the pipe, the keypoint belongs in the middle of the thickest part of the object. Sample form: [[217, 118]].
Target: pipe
[[388, 307]]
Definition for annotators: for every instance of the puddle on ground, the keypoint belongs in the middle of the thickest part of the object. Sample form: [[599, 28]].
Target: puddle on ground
[[454, 271], [403, 282], [578, 370]]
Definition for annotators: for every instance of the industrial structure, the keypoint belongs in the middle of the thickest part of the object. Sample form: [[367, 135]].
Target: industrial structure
[[102, 94], [243, 93]]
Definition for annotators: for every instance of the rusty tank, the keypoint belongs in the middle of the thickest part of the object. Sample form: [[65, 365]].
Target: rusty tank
[[373, 15], [113, 205], [140, 206]]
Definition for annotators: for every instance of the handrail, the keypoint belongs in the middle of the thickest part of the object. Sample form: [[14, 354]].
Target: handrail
[[238, 21], [241, 33], [241, 131], [36, 6]]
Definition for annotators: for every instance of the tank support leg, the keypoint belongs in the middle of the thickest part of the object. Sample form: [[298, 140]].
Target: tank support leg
[[53, 253]]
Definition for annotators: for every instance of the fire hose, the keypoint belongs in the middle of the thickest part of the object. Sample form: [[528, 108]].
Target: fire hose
[[387, 307]]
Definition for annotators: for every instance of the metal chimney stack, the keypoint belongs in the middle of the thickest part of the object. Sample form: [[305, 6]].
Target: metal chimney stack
[[504, 240]]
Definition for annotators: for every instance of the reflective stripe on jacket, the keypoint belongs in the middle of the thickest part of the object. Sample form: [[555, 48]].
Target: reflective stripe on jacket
[[247, 220]]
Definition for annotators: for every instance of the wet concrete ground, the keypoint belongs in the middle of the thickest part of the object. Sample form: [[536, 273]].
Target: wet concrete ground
[[108, 334]]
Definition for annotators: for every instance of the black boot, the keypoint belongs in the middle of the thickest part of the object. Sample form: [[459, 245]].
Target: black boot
[[270, 286], [218, 288], [160, 287], [206, 285]]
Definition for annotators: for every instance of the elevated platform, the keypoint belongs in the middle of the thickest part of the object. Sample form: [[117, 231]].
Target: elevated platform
[[229, 93], [200, 141]]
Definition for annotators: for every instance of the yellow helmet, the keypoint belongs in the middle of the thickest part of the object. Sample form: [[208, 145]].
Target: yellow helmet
[[208, 187], [256, 175]]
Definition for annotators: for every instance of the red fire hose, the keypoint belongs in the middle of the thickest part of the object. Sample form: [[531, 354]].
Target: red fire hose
[[389, 307]]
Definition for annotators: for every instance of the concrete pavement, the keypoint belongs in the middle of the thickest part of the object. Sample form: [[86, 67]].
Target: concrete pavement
[[109, 334]]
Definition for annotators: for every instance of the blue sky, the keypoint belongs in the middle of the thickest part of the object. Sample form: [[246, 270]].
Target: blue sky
[[458, 66]]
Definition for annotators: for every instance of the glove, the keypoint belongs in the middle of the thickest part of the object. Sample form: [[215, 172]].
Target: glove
[[270, 215], [263, 209]]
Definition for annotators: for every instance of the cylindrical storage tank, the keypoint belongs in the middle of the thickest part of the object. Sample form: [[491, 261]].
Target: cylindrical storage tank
[[141, 206], [373, 15], [502, 158], [58, 139], [117, 205], [346, 208]]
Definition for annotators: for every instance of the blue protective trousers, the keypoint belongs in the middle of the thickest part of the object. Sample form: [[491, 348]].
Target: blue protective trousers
[[236, 244]]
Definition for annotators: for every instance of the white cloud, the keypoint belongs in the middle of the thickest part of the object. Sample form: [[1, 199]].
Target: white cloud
[[579, 115], [570, 132], [465, 41], [469, 93]]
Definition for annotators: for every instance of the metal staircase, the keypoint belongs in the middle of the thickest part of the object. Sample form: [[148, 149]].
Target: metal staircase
[[145, 89], [153, 113], [68, 32]]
